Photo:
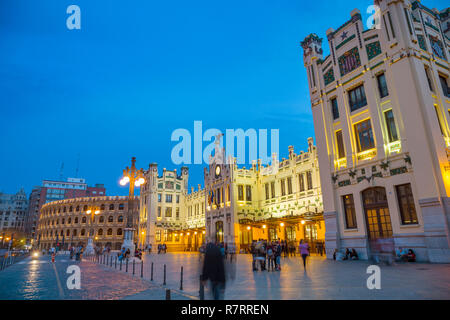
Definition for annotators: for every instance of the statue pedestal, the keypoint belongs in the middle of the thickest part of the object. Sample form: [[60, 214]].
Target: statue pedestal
[[128, 242], [90, 247]]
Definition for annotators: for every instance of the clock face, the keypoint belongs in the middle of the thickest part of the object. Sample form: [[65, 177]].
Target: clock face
[[218, 171]]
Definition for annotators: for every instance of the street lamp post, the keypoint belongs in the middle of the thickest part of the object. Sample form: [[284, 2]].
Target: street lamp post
[[90, 246], [134, 178]]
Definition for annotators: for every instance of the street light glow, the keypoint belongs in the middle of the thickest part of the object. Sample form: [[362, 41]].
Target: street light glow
[[89, 212], [248, 228], [264, 226], [303, 222], [282, 224]]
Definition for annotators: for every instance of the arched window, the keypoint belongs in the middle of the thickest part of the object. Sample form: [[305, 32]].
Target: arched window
[[100, 232], [78, 208], [120, 219], [70, 209], [76, 219], [83, 232], [64, 209], [119, 232], [69, 221], [102, 207], [74, 233], [63, 221], [111, 206], [68, 232], [59, 210], [51, 233], [83, 220], [109, 232], [61, 233], [57, 221], [110, 219], [85, 208], [121, 206], [102, 219]]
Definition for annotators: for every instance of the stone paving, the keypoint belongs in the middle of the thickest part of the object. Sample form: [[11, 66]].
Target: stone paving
[[43, 280], [324, 279]]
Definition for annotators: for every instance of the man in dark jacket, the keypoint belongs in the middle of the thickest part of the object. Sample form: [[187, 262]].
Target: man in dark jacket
[[214, 271]]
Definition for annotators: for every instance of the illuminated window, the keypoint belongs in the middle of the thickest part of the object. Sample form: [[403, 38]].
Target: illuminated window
[[248, 191], [390, 124], [349, 210], [364, 136], [159, 197], [177, 214], [357, 98], [309, 180], [340, 145], [289, 184], [241, 193], [158, 235], [301, 181], [406, 203], [272, 187], [283, 187], [169, 212]]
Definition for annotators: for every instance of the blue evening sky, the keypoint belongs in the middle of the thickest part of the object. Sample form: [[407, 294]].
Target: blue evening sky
[[139, 69]]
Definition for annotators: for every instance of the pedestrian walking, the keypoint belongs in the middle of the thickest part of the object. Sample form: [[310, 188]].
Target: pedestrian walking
[[214, 271], [304, 251]]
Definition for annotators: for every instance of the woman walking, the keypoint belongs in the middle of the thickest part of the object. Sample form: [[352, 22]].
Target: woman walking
[[304, 251]]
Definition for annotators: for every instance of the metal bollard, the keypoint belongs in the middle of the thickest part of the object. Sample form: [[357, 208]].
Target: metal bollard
[[110, 261], [142, 269], [164, 283], [120, 265], [126, 269], [202, 290], [167, 294], [151, 275], [133, 266], [115, 263], [181, 280]]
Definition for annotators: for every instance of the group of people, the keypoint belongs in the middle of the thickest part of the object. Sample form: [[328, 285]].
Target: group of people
[[162, 248], [350, 254], [77, 252], [267, 255], [405, 255]]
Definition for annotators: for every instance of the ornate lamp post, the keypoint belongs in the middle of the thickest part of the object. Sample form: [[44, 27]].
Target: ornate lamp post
[[135, 178], [90, 246]]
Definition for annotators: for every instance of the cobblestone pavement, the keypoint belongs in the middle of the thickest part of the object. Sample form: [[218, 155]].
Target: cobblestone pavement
[[43, 280], [324, 279]]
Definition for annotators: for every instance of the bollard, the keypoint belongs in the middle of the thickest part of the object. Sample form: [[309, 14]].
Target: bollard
[[164, 283], [133, 266], [120, 265], [126, 268], [202, 290], [151, 276], [168, 294], [115, 263], [181, 280], [142, 268], [110, 263]]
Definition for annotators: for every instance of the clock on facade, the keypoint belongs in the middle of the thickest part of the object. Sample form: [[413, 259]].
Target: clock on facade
[[218, 170]]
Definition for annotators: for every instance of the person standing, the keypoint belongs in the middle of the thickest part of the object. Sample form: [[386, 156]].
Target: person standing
[[214, 271], [304, 251]]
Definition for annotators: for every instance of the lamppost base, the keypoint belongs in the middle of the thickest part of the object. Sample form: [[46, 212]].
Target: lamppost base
[[90, 247], [128, 242]]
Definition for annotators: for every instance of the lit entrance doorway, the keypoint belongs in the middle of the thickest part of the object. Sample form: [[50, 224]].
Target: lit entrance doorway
[[378, 220], [219, 231]]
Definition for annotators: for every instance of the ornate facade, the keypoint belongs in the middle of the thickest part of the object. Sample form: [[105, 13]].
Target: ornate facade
[[280, 201], [69, 222], [381, 112]]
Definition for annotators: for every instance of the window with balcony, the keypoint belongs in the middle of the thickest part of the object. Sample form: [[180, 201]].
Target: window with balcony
[[266, 186], [248, 191], [309, 180], [289, 185], [283, 187], [301, 182], [272, 187], [241, 193]]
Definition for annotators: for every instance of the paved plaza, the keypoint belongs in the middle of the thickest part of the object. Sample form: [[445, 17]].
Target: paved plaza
[[324, 279]]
